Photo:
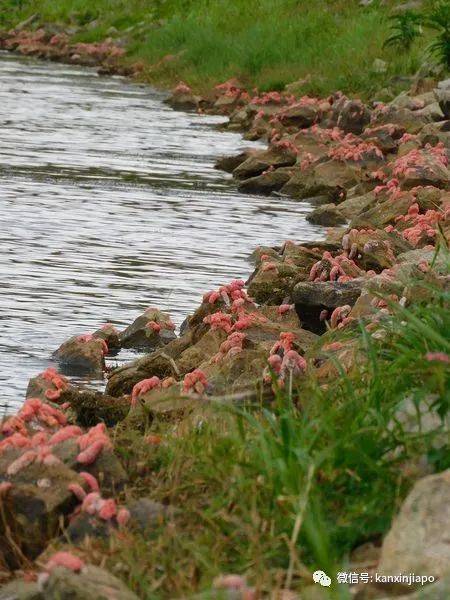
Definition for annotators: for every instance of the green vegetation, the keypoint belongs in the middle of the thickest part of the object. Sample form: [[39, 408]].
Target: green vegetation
[[276, 491], [439, 20], [406, 27], [330, 43]]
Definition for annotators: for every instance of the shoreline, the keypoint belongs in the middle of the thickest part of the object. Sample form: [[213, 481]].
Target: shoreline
[[379, 176]]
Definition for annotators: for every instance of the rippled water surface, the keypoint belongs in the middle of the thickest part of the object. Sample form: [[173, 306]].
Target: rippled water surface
[[109, 203]]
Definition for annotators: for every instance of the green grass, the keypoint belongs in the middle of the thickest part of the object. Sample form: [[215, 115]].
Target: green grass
[[279, 490], [265, 43]]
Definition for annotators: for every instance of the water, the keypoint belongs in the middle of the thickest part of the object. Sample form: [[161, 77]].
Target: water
[[109, 203]]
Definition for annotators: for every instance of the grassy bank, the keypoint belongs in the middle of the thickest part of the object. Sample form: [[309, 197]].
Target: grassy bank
[[331, 43], [278, 491]]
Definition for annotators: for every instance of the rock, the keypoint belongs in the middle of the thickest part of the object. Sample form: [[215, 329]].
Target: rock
[[409, 120], [330, 178], [311, 297], [353, 117], [106, 468], [427, 169], [266, 183], [433, 133], [379, 66], [21, 590], [299, 115], [203, 349], [147, 514], [272, 286], [92, 407], [150, 330], [376, 249], [122, 380], [260, 161], [386, 137], [355, 205], [81, 355], [34, 505], [327, 214], [164, 405], [416, 256], [327, 294], [436, 591], [410, 5], [92, 583], [443, 97], [421, 418], [42, 386], [184, 100], [434, 111], [418, 541], [110, 334], [383, 213], [85, 525], [230, 163]]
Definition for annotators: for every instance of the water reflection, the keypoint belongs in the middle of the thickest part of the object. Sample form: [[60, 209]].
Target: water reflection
[[109, 203]]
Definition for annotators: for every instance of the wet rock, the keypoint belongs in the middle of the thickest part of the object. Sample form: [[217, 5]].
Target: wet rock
[[418, 541], [91, 583], [150, 330], [47, 385], [230, 163], [327, 214], [110, 334], [266, 183], [260, 161], [81, 355], [184, 99]]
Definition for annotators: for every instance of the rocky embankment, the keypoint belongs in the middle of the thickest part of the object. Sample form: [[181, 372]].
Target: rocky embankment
[[378, 175]]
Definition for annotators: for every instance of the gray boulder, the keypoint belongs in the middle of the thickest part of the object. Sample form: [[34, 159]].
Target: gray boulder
[[419, 540], [92, 583]]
